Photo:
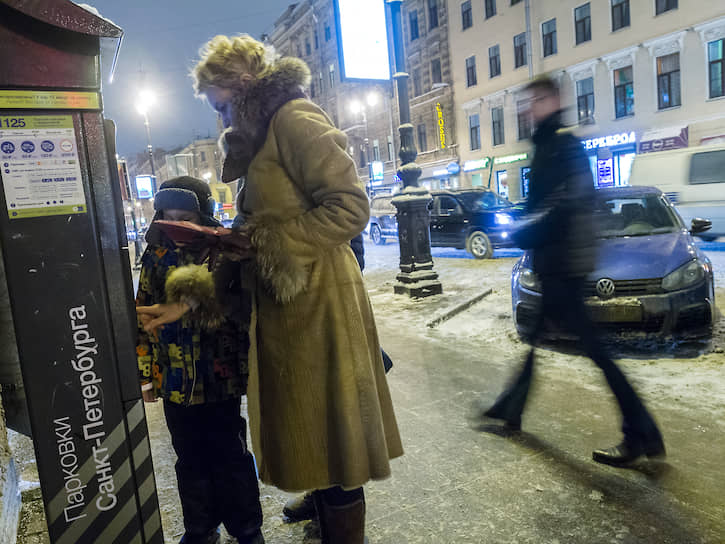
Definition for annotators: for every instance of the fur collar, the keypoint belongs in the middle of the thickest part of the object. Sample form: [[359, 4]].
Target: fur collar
[[254, 108]]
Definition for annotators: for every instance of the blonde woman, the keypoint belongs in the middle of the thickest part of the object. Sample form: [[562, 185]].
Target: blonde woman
[[320, 412]]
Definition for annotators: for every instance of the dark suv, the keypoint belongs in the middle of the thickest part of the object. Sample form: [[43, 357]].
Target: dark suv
[[477, 220], [382, 220]]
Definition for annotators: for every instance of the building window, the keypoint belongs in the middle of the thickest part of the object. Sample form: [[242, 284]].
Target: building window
[[494, 61], [321, 81], [312, 89], [717, 68], [332, 76], [620, 14], [585, 100], [417, 87], [317, 40], [497, 124], [583, 23], [413, 19], [466, 14], [422, 141], [514, 2], [432, 13], [328, 33], [474, 130], [376, 150], [623, 92], [435, 71], [391, 148], [308, 47], [668, 81], [203, 156], [520, 50], [471, 78], [299, 51], [490, 8], [548, 32], [664, 5], [523, 116]]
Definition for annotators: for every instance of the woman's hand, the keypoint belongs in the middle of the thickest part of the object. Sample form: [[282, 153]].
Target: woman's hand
[[152, 317], [236, 245]]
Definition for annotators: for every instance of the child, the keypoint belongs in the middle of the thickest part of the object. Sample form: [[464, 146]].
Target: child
[[198, 366]]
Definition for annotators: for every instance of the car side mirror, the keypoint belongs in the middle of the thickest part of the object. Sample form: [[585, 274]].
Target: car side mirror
[[700, 225]]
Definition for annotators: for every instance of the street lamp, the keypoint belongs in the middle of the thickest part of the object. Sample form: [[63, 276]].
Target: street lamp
[[146, 100], [416, 277], [357, 108]]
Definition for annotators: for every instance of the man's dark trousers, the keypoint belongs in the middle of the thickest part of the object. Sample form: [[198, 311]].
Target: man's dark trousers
[[215, 471], [563, 303]]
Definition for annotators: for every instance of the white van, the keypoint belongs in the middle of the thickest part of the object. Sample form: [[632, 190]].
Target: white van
[[693, 179]]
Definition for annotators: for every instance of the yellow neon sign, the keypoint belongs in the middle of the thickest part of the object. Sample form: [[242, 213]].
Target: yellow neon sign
[[441, 125]]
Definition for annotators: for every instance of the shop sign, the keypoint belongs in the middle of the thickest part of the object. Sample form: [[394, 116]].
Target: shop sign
[[376, 172], [605, 172], [511, 158], [609, 141], [441, 125], [145, 187], [440, 173], [664, 140], [476, 164]]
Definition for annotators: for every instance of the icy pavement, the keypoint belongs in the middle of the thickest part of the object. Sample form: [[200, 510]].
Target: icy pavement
[[457, 484]]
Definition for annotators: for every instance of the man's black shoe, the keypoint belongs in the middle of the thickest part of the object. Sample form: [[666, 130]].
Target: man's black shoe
[[509, 425], [627, 452]]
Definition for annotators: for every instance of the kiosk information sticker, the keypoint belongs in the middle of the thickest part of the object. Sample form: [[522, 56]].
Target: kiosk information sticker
[[41, 173]]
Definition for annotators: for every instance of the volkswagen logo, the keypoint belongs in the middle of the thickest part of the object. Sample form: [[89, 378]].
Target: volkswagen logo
[[605, 288]]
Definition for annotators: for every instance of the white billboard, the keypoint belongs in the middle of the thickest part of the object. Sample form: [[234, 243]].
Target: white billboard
[[362, 39]]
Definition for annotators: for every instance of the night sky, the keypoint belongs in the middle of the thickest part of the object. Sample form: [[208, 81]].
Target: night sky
[[161, 41]]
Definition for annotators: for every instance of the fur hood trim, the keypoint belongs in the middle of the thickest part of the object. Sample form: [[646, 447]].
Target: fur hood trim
[[194, 284], [254, 108], [282, 275]]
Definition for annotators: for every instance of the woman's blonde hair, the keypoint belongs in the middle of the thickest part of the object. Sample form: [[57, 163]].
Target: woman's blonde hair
[[227, 62]]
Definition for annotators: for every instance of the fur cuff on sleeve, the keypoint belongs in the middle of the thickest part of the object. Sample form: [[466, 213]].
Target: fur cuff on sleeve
[[284, 276], [194, 284]]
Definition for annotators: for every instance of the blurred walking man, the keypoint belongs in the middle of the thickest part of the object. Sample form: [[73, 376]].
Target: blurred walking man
[[561, 236]]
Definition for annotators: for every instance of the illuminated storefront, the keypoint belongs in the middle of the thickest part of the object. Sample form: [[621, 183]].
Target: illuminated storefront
[[611, 157]]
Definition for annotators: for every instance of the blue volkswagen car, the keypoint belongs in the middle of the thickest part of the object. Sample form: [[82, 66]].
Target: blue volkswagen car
[[650, 276]]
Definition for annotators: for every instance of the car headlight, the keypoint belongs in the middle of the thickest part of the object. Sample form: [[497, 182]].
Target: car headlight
[[529, 280], [503, 219], [688, 274]]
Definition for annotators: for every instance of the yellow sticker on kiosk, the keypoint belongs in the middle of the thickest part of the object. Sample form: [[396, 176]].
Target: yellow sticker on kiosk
[[39, 166], [53, 100]]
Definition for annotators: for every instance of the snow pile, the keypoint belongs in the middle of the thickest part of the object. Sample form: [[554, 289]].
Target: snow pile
[[90, 9]]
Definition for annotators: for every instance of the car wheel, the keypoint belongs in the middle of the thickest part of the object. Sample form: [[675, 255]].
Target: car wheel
[[376, 236], [479, 246]]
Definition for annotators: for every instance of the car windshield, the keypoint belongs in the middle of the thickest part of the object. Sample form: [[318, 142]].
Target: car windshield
[[634, 216], [480, 202]]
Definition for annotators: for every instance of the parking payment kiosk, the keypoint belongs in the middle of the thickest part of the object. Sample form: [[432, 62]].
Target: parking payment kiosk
[[67, 321]]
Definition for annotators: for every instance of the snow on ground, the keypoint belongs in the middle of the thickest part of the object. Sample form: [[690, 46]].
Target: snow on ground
[[671, 370]]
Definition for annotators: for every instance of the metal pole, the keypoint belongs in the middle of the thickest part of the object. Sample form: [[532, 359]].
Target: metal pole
[[529, 49], [416, 277], [149, 146]]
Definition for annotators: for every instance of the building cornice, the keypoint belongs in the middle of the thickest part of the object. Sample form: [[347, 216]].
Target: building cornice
[[711, 30], [620, 59], [667, 44]]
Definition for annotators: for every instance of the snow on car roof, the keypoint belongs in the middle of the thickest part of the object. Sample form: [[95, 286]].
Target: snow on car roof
[[623, 192]]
